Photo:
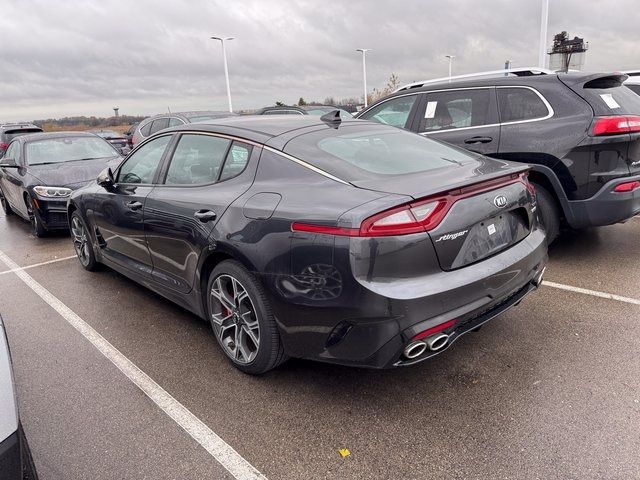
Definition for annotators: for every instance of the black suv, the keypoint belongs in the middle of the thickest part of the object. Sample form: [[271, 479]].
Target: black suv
[[9, 131], [580, 133]]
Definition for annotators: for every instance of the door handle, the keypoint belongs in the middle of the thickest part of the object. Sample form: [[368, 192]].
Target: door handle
[[205, 215], [133, 205], [479, 140]]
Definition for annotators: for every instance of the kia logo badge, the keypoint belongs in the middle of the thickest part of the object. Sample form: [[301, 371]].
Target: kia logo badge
[[500, 201]]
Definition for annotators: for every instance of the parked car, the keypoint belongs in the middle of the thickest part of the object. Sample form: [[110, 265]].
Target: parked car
[[129, 134], [119, 141], [154, 124], [320, 110], [579, 131], [39, 171], [15, 457], [281, 110], [633, 82], [335, 240], [9, 131]]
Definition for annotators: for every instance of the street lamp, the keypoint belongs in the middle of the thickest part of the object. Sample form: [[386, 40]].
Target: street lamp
[[226, 69], [450, 57], [364, 71], [544, 20]]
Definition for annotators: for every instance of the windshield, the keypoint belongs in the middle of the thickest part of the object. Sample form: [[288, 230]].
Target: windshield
[[67, 149], [362, 152]]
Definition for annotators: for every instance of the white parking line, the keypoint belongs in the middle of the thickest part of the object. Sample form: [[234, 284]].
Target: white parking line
[[38, 264], [231, 460], [593, 293]]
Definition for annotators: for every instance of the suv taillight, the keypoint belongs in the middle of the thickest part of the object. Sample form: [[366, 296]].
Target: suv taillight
[[4, 146], [616, 125]]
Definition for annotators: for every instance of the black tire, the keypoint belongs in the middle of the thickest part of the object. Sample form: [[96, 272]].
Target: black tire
[[5, 205], [549, 212], [269, 352], [37, 227], [82, 242], [28, 467]]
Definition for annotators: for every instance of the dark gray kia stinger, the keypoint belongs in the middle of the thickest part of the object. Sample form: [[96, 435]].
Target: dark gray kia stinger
[[337, 240]]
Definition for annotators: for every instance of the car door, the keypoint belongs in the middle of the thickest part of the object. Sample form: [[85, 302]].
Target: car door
[[12, 181], [118, 212], [204, 175], [466, 117]]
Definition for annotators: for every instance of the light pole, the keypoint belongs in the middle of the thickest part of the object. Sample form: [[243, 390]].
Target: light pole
[[450, 57], [364, 71], [226, 69], [544, 19]]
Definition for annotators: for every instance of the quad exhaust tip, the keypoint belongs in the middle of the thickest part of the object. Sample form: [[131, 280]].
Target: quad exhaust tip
[[434, 343]]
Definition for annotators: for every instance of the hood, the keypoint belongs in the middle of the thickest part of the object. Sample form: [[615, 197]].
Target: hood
[[72, 174], [419, 185]]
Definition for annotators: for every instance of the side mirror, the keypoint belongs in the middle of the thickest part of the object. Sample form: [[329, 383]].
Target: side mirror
[[105, 179], [9, 163]]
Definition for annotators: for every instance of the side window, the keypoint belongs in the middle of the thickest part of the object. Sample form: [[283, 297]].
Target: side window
[[141, 166], [146, 129], [197, 160], [456, 109], [236, 160], [159, 124], [174, 122], [12, 152], [517, 104], [392, 112]]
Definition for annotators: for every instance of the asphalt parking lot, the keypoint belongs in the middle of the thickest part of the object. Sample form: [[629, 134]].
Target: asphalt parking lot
[[551, 389]]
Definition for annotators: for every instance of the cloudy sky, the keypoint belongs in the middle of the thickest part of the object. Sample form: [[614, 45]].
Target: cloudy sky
[[82, 57]]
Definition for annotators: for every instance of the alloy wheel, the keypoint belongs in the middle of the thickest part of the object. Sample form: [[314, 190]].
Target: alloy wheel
[[80, 241], [234, 319]]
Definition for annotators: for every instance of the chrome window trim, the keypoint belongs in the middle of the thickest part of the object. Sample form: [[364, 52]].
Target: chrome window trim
[[550, 111], [256, 144], [304, 164]]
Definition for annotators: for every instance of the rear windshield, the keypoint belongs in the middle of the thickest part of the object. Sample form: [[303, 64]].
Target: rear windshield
[[618, 100], [67, 149], [11, 134], [360, 152]]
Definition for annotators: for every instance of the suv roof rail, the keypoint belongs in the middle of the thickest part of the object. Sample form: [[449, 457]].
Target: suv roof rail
[[518, 72]]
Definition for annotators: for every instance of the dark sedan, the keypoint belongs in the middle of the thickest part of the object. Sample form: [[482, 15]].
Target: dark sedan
[[15, 458], [341, 241], [39, 172], [119, 141]]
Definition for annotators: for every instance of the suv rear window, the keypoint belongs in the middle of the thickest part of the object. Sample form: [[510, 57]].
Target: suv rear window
[[366, 152], [617, 100], [519, 104], [11, 134]]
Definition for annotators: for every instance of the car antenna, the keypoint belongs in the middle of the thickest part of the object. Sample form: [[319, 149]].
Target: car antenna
[[332, 118]]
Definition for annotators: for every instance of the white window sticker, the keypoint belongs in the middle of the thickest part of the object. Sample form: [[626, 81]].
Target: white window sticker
[[609, 100], [491, 229], [431, 110]]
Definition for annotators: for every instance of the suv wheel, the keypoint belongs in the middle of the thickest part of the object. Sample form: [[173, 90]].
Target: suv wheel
[[242, 320], [549, 212], [5, 205]]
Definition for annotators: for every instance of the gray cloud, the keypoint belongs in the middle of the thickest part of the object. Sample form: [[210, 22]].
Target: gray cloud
[[82, 58]]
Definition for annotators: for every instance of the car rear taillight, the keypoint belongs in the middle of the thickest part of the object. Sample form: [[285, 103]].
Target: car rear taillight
[[415, 217], [616, 125], [627, 187], [4, 146]]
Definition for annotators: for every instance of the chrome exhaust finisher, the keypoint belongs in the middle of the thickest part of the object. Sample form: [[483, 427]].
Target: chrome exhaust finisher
[[437, 342], [415, 349]]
